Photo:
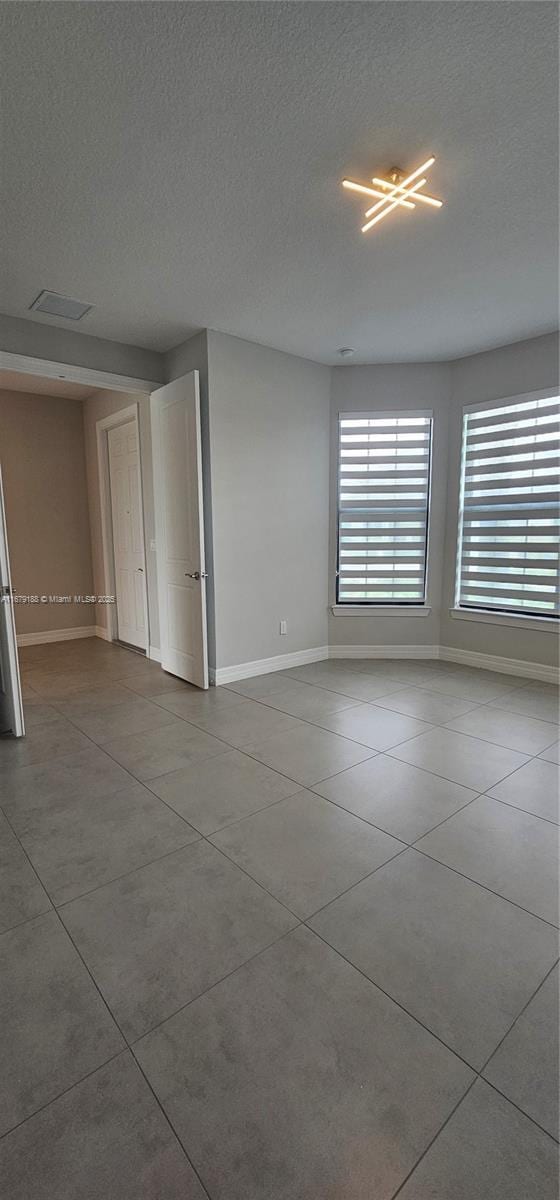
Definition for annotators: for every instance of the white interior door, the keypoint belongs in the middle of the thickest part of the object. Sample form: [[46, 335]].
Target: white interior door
[[180, 529], [11, 705], [128, 534]]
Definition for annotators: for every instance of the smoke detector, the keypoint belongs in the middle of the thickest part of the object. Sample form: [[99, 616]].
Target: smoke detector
[[60, 306]]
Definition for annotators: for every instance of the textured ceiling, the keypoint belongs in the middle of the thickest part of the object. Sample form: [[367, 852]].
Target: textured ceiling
[[178, 165], [39, 385]]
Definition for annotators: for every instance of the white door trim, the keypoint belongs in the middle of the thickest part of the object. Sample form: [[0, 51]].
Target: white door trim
[[87, 376], [173, 658], [122, 417]]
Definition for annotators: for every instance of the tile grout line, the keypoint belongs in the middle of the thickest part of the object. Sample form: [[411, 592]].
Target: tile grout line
[[64, 1092], [480, 1076], [406, 845], [484, 886], [309, 787]]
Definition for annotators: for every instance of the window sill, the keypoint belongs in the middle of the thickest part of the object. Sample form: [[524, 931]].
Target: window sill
[[546, 624], [381, 610]]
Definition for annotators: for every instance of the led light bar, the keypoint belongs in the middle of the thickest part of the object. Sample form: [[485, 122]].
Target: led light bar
[[396, 193]]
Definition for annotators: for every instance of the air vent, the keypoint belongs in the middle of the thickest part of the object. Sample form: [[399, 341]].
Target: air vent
[[60, 306]]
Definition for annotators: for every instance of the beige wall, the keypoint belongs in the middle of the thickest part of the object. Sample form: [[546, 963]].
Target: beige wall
[[43, 467], [103, 404]]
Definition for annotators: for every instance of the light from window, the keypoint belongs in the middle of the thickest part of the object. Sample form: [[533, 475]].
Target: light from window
[[509, 520], [383, 494]]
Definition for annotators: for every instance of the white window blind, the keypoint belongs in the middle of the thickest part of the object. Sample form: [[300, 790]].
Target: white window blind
[[509, 519], [383, 496]]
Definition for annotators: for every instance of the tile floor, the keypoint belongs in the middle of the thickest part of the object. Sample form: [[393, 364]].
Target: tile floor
[[295, 939]]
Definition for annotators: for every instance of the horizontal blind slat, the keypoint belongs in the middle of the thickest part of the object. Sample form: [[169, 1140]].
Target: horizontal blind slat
[[383, 500], [510, 507]]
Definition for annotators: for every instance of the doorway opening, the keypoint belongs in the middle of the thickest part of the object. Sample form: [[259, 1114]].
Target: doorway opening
[[104, 507], [122, 527]]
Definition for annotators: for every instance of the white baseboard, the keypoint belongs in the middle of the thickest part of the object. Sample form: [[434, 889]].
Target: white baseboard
[[468, 658], [262, 666], [56, 635], [493, 662], [384, 651], [298, 658]]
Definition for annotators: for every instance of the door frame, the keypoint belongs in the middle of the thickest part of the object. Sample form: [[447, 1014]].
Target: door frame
[[160, 523], [123, 416]]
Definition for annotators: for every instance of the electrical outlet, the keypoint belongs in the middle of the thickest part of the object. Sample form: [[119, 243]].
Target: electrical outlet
[[283, 628]]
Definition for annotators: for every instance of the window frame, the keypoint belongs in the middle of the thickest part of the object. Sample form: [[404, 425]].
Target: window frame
[[490, 615], [415, 607]]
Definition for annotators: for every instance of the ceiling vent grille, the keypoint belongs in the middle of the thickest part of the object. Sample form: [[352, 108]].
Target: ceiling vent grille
[[60, 306]]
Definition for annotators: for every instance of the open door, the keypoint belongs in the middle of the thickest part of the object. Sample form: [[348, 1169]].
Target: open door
[[11, 705], [177, 454]]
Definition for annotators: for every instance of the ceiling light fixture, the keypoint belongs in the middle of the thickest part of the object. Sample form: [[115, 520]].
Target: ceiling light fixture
[[396, 193]]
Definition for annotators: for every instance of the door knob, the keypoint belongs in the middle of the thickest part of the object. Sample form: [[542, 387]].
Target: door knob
[[196, 574]]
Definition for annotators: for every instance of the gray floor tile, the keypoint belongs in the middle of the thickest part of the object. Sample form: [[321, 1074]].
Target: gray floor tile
[[165, 933], [76, 845], [373, 726], [147, 755], [525, 1066], [353, 683], [504, 849], [506, 729], [154, 685], [222, 790], [105, 1139], [52, 687], [305, 850], [296, 1077], [403, 671], [479, 687], [41, 744], [433, 707], [196, 702], [533, 787], [137, 715], [243, 722], [552, 753], [21, 894], [462, 961], [258, 687], [308, 702], [462, 759], [91, 700], [404, 801], [487, 1150], [55, 1027], [38, 712], [89, 773], [540, 701], [308, 754]]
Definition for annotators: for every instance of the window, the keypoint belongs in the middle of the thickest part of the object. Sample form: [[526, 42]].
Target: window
[[383, 494], [508, 527]]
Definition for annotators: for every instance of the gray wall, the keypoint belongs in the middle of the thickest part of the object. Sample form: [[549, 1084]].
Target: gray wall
[[41, 340], [265, 449], [509, 371], [411, 386], [269, 420]]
